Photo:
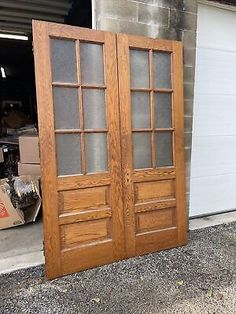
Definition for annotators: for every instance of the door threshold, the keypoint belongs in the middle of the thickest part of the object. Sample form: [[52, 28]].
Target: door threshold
[[212, 220]]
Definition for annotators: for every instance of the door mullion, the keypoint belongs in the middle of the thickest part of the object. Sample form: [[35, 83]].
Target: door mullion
[[81, 113]]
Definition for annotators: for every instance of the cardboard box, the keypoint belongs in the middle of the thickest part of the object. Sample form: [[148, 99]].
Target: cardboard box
[[1, 155], [11, 216], [29, 148], [28, 169]]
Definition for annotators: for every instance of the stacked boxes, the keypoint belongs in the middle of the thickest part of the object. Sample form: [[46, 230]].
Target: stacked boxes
[[29, 155]]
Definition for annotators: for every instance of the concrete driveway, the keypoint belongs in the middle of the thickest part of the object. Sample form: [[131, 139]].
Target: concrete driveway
[[198, 278]]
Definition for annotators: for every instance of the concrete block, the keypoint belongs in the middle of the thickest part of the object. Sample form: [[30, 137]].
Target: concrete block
[[153, 15], [189, 57], [189, 74], [108, 24], [135, 28], [187, 152], [190, 6], [170, 33], [187, 184], [188, 107], [187, 169], [122, 9], [188, 90], [188, 139], [183, 20], [188, 124], [187, 199], [189, 39]]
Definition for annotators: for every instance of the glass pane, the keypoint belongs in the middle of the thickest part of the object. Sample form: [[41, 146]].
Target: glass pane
[[140, 110], [142, 150], [63, 58], [139, 68], [66, 108], [68, 154], [164, 155], [91, 56], [162, 69], [94, 108], [163, 110], [96, 152]]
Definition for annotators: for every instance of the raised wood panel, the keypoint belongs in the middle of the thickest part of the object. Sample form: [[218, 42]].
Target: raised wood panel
[[83, 199], [155, 220], [154, 190], [156, 240], [84, 232], [84, 257]]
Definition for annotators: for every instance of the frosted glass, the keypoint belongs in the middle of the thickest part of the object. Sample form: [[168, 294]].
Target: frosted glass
[[142, 150], [139, 68], [164, 150], [163, 110], [94, 108], [66, 108], [91, 56], [162, 69], [63, 58], [96, 152], [68, 154], [140, 110]]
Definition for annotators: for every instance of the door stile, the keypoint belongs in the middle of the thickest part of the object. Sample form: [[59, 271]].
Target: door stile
[[47, 156], [126, 141], [114, 142], [179, 142]]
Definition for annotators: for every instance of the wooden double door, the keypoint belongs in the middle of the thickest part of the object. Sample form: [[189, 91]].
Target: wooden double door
[[110, 111]]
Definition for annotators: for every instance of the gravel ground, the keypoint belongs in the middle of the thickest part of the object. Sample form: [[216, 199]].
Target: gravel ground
[[197, 278]]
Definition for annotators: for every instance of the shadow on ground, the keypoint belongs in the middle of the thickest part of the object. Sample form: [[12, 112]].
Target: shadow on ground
[[197, 278]]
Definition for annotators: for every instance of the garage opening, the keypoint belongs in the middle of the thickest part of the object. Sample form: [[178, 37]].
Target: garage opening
[[21, 230]]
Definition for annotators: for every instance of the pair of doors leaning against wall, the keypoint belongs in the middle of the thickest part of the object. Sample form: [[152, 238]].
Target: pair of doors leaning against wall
[[110, 109]]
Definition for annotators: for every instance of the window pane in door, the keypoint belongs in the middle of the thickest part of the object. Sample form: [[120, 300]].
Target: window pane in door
[[139, 68], [68, 154], [140, 110], [142, 150], [96, 152], [162, 69], [63, 58], [164, 149], [91, 62], [163, 110], [66, 108], [94, 108]]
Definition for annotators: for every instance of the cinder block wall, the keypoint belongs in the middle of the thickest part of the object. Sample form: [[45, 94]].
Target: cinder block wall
[[167, 19]]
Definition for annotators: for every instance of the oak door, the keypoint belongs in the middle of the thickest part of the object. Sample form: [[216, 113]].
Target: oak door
[[152, 139], [77, 95]]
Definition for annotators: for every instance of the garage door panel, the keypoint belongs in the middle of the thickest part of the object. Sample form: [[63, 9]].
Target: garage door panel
[[213, 166], [220, 25], [217, 71], [222, 112], [213, 155], [213, 193]]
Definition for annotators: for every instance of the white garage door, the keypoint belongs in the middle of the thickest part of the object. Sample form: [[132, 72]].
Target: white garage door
[[213, 169]]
